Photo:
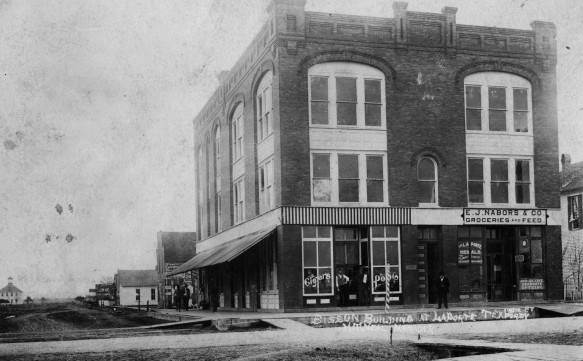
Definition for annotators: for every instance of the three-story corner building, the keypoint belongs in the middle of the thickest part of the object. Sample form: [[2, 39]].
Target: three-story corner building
[[343, 144]]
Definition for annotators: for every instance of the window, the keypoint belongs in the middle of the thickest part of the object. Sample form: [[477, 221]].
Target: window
[[152, 294], [346, 95], [499, 183], [264, 108], [475, 180], [498, 102], [575, 213], [218, 213], [321, 181], [238, 201], [530, 248], [427, 180], [237, 133], [522, 170], [508, 181], [386, 251], [137, 294], [266, 186], [317, 260], [348, 178]]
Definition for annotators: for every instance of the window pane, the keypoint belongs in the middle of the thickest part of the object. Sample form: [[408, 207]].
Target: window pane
[[475, 169], [474, 119], [372, 91], [310, 281], [520, 99], [339, 254], [310, 254], [348, 190], [378, 253], [374, 167], [393, 253], [372, 114], [325, 277], [346, 89], [392, 232], [352, 253], [324, 254], [347, 165], [346, 113], [321, 164], [497, 120], [499, 192], [374, 191], [497, 98], [523, 193], [319, 88], [535, 231], [522, 171], [378, 232], [426, 169], [536, 251], [520, 122], [473, 97], [476, 192], [394, 279], [309, 232], [378, 279], [322, 190], [323, 232], [426, 192], [319, 113], [499, 169]]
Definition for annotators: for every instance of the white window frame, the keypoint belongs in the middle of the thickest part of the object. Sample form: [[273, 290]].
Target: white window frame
[[486, 80], [361, 72], [266, 176], [435, 182], [386, 239], [487, 181], [218, 212], [239, 200], [319, 239], [264, 107], [238, 134], [573, 212], [334, 177]]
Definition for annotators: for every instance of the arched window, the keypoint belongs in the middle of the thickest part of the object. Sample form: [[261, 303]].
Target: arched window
[[217, 169], [237, 131], [264, 107], [427, 180]]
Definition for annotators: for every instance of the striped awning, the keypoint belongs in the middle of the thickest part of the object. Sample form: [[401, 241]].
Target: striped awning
[[223, 253], [345, 215]]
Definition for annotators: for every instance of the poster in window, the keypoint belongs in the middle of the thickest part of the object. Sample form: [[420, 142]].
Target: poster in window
[[476, 252], [463, 252]]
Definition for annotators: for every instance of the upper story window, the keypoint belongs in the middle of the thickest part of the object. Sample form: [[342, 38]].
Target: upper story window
[[239, 200], [575, 212], [348, 177], [427, 180], [266, 186], [498, 102], [237, 131], [500, 181], [264, 106], [217, 179], [346, 95]]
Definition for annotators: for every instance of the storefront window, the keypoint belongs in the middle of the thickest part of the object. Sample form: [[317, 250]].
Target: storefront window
[[530, 252], [317, 255], [386, 250], [470, 259]]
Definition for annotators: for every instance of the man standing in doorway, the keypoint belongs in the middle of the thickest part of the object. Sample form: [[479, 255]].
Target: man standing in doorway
[[342, 287], [442, 289]]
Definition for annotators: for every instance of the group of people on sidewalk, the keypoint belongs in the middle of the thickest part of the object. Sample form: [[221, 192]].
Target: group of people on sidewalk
[[181, 296]]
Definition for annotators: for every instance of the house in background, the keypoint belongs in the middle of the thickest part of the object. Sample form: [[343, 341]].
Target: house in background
[[172, 250], [11, 293], [572, 227], [136, 287]]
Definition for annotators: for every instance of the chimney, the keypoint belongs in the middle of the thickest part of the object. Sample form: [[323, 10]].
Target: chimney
[[450, 25], [565, 161], [400, 14], [288, 16]]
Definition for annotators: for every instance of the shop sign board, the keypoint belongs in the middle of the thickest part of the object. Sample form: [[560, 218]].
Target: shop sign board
[[504, 216], [469, 252], [532, 284]]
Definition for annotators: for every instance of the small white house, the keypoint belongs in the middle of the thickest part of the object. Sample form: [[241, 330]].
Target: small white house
[[137, 287], [11, 293]]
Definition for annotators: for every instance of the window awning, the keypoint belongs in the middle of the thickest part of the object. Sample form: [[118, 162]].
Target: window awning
[[223, 253]]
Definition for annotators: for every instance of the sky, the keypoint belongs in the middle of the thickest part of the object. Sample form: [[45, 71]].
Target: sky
[[96, 106]]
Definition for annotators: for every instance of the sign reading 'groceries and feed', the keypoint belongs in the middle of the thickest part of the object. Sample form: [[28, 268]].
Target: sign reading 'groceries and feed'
[[509, 216]]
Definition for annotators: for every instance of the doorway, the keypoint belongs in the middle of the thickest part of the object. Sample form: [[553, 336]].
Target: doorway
[[433, 260], [500, 270]]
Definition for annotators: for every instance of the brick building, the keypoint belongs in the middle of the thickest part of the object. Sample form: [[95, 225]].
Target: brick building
[[352, 143]]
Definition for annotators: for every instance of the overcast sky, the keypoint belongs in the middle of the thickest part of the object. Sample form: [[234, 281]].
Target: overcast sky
[[96, 106]]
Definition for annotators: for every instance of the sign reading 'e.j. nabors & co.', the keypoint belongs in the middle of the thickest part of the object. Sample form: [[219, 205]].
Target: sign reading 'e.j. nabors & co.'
[[508, 216]]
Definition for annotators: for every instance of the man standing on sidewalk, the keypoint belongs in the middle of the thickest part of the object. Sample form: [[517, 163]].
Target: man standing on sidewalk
[[442, 289]]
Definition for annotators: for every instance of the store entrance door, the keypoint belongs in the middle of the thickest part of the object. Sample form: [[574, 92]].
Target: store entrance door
[[346, 265], [499, 270], [433, 268]]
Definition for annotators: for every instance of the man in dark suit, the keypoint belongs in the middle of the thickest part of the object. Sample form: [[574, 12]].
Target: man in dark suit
[[442, 289]]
